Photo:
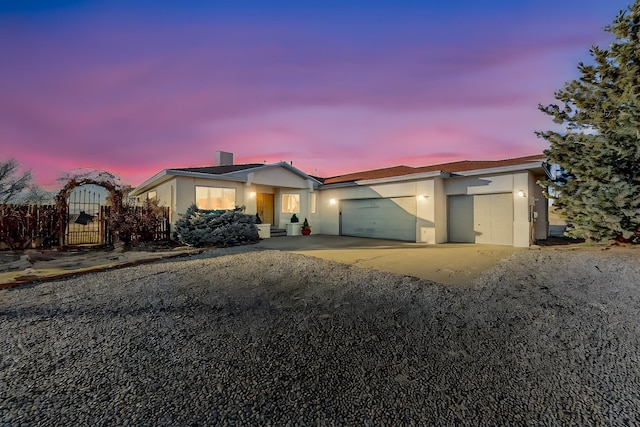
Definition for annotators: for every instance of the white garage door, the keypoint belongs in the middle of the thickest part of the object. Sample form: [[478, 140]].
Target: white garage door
[[486, 218], [390, 218]]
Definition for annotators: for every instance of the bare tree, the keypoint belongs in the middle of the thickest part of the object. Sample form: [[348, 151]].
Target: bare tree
[[12, 184], [38, 196]]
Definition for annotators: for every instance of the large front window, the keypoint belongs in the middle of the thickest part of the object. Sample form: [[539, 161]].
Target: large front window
[[291, 203], [215, 198]]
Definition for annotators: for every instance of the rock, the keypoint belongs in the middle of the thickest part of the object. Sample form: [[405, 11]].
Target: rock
[[215, 340]]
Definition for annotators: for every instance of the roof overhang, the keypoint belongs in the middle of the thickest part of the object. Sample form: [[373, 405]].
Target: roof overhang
[[400, 178], [535, 166]]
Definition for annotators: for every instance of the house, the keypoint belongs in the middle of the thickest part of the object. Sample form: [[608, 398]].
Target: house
[[493, 202], [274, 191]]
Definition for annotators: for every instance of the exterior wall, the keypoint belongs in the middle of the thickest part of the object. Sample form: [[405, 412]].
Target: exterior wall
[[540, 207], [284, 218], [521, 211], [185, 195], [314, 218], [501, 183], [278, 181], [440, 211], [186, 192], [425, 211], [530, 216], [277, 177], [431, 224], [480, 184], [179, 193], [166, 194], [281, 219], [427, 227], [249, 201], [328, 209]]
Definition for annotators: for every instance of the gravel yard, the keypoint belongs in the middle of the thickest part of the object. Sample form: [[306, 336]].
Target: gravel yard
[[274, 338]]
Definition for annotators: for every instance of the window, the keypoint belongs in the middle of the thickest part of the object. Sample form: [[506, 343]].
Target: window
[[291, 203], [152, 195], [215, 198], [313, 202]]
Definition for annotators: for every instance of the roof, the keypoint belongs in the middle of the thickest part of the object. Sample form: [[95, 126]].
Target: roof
[[220, 170], [238, 173], [372, 174], [452, 167]]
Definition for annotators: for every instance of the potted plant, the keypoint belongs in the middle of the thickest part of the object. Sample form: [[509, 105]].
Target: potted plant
[[306, 229]]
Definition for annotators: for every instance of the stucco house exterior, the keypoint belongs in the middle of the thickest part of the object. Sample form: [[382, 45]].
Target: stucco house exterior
[[493, 202]]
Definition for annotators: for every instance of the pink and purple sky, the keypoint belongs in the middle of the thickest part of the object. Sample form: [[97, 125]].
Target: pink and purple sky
[[334, 86]]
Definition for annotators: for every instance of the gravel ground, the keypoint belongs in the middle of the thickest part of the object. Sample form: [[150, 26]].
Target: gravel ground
[[274, 338]]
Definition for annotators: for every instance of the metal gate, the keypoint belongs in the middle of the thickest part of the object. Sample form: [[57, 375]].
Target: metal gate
[[85, 217]]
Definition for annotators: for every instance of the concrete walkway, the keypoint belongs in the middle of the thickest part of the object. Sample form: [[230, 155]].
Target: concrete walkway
[[449, 263]]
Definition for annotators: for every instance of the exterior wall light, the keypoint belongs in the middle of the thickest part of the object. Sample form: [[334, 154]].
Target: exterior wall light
[[521, 193], [252, 194], [332, 201], [422, 197]]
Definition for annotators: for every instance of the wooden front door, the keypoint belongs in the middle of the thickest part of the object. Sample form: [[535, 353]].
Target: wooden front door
[[264, 205]]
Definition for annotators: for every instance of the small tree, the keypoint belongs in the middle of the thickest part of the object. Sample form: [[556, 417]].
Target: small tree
[[12, 184], [598, 188]]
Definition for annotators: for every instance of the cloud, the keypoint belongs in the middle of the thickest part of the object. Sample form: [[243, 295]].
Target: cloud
[[98, 86]]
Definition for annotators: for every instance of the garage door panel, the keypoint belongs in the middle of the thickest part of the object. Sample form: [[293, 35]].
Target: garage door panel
[[482, 218], [502, 219], [486, 218], [390, 218], [461, 219]]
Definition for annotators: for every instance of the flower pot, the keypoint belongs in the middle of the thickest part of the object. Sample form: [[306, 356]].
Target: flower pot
[[306, 231]]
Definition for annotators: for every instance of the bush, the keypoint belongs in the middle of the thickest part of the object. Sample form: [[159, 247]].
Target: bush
[[140, 223], [218, 227]]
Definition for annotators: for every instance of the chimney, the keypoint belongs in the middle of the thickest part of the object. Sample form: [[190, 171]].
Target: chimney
[[223, 158]]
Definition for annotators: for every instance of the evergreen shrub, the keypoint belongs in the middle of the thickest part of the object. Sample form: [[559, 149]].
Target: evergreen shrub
[[199, 227]]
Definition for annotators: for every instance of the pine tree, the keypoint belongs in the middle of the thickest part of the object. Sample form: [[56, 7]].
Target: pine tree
[[598, 189]]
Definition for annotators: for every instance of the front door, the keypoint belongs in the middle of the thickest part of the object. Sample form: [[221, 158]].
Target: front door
[[264, 207]]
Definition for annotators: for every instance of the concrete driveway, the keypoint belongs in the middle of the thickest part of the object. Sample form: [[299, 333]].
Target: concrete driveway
[[449, 263]]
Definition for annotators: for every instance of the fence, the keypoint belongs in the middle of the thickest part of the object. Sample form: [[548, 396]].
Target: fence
[[23, 226], [30, 226]]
